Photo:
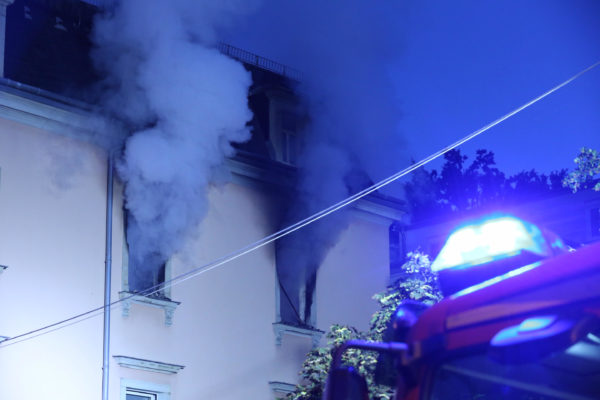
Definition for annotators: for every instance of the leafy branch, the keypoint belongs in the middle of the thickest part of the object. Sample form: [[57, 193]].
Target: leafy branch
[[418, 283]]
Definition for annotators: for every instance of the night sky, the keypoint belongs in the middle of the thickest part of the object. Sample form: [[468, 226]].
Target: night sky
[[464, 63]]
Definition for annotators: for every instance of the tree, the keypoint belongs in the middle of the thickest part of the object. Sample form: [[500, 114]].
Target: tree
[[459, 189], [417, 283], [585, 175]]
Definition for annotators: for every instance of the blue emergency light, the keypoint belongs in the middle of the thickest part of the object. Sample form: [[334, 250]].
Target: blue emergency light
[[491, 247]]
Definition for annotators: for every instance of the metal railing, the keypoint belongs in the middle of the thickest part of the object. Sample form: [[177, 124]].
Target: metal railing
[[100, 3], [260, 62]]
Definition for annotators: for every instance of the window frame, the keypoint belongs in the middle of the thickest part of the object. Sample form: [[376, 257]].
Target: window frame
[[312, 321], [281, 328], [165, 291], [160, 391], [285, 138]]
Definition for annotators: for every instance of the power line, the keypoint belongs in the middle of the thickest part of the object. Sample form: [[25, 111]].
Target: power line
[[294, 227]]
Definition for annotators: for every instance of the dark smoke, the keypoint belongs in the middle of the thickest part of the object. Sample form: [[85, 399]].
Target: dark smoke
[[347, 52], [184, 103]]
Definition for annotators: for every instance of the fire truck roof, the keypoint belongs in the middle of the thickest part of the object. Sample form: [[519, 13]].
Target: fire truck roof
[[473, 316]]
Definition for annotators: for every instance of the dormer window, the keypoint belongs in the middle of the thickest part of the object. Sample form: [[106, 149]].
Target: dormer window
[[288, 135]]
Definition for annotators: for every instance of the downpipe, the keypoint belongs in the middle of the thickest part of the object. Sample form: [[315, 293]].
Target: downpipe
[[107, 278]]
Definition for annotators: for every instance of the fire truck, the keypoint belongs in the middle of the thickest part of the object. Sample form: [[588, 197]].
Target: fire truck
[[520, 319]]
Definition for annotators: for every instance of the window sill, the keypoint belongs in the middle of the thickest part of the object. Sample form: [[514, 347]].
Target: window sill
[[281, 328], [129, 298], [281, 389], [148, 365]]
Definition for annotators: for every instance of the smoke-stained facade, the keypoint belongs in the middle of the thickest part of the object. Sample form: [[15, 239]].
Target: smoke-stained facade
[[221, 177]]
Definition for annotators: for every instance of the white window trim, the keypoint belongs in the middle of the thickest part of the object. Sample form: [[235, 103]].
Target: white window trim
[[148, 365], [301, 296], [281, 328], [277, 142], [163, 392], [281, 389], [130, 298], [125, 271]]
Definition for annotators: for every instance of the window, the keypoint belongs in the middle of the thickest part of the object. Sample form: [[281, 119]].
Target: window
[[132, 394], [296, 303], [289, 142], [397, 248], [595, 220], [285, 140], [136, 275], [140, 390]]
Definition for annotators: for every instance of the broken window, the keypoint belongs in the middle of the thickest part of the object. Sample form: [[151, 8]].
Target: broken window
[[143, 272]]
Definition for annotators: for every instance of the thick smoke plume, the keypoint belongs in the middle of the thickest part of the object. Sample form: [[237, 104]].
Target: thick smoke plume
[[347, 52], [184, 102]]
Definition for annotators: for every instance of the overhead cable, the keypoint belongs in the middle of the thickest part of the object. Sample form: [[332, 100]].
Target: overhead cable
[[294, 227]]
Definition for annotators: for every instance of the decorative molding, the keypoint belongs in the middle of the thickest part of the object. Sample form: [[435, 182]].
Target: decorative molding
[[53, 113], [148, 365], [281, 389], [2, 268], [280, 329], [169, 306], [379, 210]]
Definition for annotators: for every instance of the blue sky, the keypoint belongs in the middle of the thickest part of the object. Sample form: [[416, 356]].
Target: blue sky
[[459, 65], [466, 63]]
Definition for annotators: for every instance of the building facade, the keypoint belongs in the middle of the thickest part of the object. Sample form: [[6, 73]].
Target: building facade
[[219, 335]]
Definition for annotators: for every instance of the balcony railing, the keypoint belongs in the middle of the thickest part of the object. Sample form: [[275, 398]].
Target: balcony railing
[[260, 62]]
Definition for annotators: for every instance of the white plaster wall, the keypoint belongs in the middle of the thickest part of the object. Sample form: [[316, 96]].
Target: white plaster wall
[[354, 270], [222, 332], [52, 207]]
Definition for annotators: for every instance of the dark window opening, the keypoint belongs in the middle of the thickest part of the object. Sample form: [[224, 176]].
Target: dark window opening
[[296, 302], [396, 247], [146, 273], [48, 45]]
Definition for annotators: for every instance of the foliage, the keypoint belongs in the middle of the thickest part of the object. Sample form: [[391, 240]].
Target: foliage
[[458, 189], [417, 283], [585, 174]]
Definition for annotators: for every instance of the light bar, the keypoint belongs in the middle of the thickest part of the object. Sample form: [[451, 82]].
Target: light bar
[[491, 239]]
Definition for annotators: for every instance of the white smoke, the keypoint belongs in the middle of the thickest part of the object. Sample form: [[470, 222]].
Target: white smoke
[[184, 102]]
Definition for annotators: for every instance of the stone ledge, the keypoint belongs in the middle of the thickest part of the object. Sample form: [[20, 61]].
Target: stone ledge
[[169, 306], [148, 365], [281, 329], [281, 388]]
